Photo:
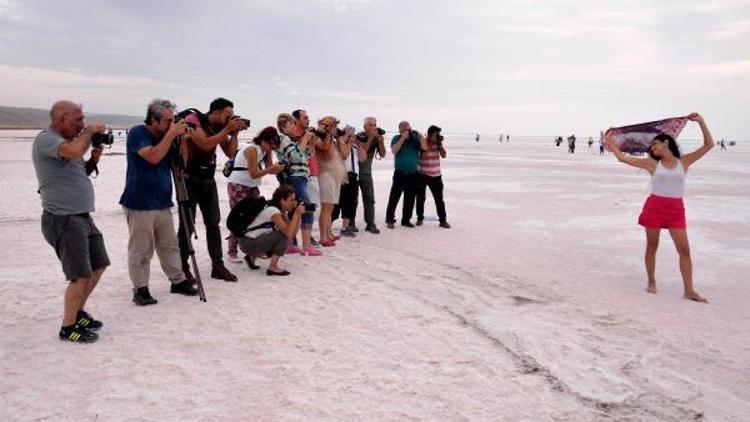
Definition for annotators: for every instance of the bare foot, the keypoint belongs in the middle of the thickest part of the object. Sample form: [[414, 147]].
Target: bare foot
[[651, 288], [694, 296]]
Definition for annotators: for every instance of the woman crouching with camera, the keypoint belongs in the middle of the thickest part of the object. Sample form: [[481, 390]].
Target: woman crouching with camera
[[272, 229], [250, 164]]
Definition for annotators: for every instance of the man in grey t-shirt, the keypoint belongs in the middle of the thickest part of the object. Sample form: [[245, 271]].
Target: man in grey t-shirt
[[67, 199]]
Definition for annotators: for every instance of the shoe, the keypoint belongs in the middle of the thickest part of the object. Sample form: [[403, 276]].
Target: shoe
[[85, 320], [353, 228], [391, 225], [184, 288], [314, 242], [277, 273], [142, 297], [221, 272], [407, 224], [188, 275], [328, 243], [372, 229], [251, 262], [445, 225], [419, 221], [293, 250], [77, 334], [235, 259], [310, 251], [348, 233]]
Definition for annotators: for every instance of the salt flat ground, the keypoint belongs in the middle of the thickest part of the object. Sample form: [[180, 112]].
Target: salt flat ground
[[531, 308]]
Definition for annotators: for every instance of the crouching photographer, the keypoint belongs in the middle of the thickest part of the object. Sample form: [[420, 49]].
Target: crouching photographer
[[220, 127], [147, 200], [67, 200], [270, 228]]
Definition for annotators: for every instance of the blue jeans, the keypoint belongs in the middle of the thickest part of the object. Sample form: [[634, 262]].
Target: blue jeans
[[299, 183]]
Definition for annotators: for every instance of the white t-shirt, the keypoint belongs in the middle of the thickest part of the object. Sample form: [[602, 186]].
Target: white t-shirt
[[263, 222], [242, 177]]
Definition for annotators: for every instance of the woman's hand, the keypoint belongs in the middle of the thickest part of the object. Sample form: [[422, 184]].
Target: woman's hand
[[695, 117]]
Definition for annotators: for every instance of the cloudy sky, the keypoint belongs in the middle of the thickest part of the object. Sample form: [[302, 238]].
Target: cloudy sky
[[524, 67]]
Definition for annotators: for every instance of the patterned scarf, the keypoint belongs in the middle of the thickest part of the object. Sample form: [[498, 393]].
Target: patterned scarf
[[637, 138]]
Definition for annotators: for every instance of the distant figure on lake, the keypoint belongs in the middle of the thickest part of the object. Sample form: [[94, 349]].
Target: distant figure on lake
[[571, 144]]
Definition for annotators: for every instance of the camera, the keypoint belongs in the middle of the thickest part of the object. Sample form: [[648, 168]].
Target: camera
[[100, 139], [310, 207], [381, 132], [319, 133], [245, 121]]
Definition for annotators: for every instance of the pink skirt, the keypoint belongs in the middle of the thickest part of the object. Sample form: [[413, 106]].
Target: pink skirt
[[661, 212]]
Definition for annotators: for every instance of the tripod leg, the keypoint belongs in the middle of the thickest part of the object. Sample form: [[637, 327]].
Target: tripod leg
[[186, 216]]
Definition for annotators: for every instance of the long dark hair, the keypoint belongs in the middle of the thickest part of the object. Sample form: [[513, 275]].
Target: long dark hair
[[671, 143]]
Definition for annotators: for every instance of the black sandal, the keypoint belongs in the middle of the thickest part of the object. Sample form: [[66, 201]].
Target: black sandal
[[251, 262]]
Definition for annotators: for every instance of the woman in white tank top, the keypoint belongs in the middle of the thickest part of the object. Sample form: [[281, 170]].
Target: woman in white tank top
[[664, 207], [251, 163]]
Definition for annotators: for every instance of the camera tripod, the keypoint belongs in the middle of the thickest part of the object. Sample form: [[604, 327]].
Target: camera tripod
[[186, 214]]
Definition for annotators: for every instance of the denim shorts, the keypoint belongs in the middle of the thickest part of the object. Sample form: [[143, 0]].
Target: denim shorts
[[300, 189]]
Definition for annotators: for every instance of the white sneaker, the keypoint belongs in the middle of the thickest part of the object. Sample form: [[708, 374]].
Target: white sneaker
[[235, 259]]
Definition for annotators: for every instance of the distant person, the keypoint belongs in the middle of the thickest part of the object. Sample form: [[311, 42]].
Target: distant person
[[147, 202], [67, 201], [372, 142], [601, 145], [501, 137], [571, 144], [723, 145], [590, 142], [507, 138], [405, 147], [221, 128], [664, 208], [429, 175], [477, 138]]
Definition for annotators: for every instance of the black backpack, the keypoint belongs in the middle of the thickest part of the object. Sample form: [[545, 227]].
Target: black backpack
[[239, 219]]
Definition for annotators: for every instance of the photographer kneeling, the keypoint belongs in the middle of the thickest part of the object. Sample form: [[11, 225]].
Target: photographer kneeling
[[147, 200], [271, 229]]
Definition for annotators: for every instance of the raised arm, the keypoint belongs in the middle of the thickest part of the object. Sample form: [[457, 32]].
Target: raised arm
[[708, 142], [641, 163]]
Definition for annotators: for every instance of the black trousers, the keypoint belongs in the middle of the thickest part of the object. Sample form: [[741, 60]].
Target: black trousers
[[203, 193], [436, 187], [348, 200], [406, 184]]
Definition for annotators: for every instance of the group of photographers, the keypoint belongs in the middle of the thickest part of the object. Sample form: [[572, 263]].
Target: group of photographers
[[183, 146]]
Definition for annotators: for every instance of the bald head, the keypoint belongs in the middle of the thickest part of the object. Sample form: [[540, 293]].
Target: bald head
[[66, 118], [60, 108]]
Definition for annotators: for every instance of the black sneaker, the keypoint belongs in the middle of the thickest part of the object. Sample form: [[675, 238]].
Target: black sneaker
[[390, 225], [445, 225], [348, 232], [419, 221], [407, 224], [372, 229], [85, 320], [77, 334], [353, 228], [185, 287], [222, 273], [142, 297]]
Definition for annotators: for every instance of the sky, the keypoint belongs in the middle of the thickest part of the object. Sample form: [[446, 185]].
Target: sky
[[551, 67]]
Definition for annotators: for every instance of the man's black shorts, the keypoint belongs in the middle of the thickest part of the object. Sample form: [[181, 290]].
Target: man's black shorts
[[78, 243]]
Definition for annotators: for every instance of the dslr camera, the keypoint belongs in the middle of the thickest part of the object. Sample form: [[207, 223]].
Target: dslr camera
[[319, 133], [98, 140]]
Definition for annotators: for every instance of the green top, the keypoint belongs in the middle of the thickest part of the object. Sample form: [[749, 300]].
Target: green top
[[407, 159]]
